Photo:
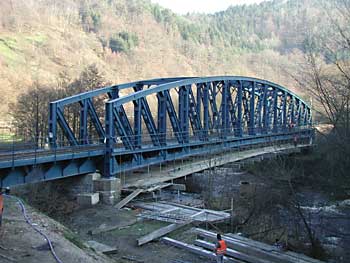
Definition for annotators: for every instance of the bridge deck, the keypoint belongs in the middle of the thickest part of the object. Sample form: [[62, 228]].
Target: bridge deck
[[172, 171]]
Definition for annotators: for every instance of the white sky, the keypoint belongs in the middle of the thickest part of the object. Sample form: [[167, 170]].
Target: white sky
[[202, 6]]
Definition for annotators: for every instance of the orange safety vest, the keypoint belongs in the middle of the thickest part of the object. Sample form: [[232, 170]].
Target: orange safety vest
[[1, 203], [222, 248]]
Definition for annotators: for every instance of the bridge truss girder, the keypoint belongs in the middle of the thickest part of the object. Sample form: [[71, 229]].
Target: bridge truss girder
[[145, 122]]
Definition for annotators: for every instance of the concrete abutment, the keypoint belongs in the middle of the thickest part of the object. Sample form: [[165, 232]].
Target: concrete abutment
[[105, 190]]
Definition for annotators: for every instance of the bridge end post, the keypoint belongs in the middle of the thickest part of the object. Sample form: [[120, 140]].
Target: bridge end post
[[108, 159], [52, 125]]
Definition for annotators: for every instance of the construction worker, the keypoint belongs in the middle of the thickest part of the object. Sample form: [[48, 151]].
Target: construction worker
[[220, 249], [1, 205], [2, 192], [295, 140]]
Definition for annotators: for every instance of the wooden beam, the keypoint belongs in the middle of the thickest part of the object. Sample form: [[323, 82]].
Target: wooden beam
[[159, 233], [102, 248], [128, 198], [230, 252], [179, 187], [246, 248], [196, 250], [272, 249]]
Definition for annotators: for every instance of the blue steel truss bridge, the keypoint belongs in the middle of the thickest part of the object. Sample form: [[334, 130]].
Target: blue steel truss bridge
[[135, 125]]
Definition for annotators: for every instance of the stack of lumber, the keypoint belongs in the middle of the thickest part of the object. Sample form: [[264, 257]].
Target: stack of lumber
[[252, 251], [176, 213], [239, 249]]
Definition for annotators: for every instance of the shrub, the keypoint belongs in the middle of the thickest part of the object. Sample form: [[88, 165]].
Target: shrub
[[123, 42]]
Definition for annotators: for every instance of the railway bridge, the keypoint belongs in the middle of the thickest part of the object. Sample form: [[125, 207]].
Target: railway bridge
[[135, 125]]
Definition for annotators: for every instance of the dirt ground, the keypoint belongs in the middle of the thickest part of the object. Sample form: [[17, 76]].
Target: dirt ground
[[20, 243], [124, 229]]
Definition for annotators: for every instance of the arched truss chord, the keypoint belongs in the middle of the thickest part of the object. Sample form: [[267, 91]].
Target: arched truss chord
[[153, 121]]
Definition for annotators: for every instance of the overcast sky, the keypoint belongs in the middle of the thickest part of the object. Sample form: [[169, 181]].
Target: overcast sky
[[203, 6]]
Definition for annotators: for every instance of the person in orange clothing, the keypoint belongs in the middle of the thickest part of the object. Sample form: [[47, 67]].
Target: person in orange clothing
[[1, 205], [2, 192], [220, 249]]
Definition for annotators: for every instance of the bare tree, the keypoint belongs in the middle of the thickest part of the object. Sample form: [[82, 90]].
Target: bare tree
[[327, 68]]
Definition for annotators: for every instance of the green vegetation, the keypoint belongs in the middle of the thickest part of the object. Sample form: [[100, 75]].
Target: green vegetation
[[9, 49], [69, 235], [123, 42], [140, 229], [37, 39]]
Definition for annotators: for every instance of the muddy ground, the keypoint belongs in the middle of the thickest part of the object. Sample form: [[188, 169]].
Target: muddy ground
[[20, 243], [261, 211]]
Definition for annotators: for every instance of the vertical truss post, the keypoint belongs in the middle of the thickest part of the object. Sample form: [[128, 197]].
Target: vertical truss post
[[239, 122], [265, 110], [53, 125], [284, 111], [214, 110], [174, 120], [206, 110], [299, 113], [275, 110], [199, 109], [83, 122], [199, 98], [309, 117], [225, 109], [252, 110], [137, 123], [114, 95], [292, 110], [162, 117], [184, 112], [108, 161]]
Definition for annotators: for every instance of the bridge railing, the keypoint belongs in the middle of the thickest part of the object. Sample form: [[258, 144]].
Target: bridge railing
[[39, 144]]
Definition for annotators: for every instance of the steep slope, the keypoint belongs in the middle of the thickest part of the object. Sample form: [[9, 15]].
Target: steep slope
[[41, 39]]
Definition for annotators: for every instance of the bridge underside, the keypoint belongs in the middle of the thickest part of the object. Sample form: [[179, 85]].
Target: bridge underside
[[46, 165], [140, 124], [170, 171]]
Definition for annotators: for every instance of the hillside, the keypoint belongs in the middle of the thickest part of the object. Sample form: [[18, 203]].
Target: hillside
[[131, 40]]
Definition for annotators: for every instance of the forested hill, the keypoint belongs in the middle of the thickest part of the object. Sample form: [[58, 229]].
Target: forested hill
[[50, 42]]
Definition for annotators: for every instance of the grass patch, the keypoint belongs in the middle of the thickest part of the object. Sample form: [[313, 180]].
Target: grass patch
[[36, 39], [69, 235], [140, 228], [7, 136], [9, 49]]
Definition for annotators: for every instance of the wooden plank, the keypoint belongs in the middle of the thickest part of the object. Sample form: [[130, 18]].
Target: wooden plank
[[158, 187], [196, 250], [231, 252], [170, 210], [128, 198], [213, 212], [102, 248], [104, 228], [197, 214], [178, 187], [274, 250], [245, 248], [251, 242], [159, 233], [164, 208]]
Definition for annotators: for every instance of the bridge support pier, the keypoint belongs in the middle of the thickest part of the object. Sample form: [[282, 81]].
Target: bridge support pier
[[92, 189], [109, 190]]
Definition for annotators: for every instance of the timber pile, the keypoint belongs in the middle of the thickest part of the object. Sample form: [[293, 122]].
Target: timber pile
[[257, 252], [138, 191], [179, 214], [239, 249]]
